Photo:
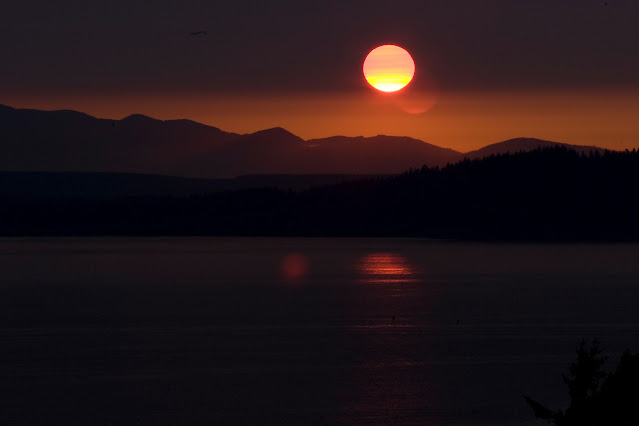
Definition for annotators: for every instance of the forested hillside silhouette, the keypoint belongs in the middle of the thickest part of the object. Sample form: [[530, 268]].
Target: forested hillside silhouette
[[552, 194]]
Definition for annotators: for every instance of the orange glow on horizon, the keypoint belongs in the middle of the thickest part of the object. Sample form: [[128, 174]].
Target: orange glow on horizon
[[389, 68], [463, 121]]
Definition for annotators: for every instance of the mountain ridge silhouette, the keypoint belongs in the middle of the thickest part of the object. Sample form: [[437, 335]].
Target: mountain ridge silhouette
[[70, 141]]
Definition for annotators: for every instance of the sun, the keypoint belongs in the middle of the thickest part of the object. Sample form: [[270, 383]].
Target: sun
[[389, 68]]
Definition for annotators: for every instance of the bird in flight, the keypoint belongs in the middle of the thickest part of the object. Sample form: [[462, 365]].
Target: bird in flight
[[198, 33]]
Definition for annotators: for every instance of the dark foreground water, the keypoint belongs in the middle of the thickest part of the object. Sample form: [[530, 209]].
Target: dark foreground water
[[301, 331]]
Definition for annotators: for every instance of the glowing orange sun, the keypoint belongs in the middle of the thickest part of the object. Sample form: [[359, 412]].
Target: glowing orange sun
[[389, 68]]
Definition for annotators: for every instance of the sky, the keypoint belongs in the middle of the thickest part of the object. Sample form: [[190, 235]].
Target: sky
[[485, 70]]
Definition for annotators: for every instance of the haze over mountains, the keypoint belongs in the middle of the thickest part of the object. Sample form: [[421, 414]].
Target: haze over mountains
[[55, 141]]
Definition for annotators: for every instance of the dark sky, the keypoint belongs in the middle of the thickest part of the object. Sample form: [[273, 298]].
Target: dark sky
[[296, 46]]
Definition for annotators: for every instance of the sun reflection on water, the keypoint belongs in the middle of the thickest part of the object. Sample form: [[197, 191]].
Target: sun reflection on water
[[385, 268]]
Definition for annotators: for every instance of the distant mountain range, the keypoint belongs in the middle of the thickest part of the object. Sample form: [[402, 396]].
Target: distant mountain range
[[70, 141]]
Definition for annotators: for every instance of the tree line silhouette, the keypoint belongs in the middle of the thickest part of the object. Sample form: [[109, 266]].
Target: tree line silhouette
[[551, 194]]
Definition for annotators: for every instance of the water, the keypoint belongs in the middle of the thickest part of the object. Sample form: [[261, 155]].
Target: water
[[301, 331]]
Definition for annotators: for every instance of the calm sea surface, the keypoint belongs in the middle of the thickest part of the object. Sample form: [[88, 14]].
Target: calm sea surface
[[301, 331]]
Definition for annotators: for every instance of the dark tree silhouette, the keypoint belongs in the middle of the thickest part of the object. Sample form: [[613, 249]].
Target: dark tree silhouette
[[596, 398]]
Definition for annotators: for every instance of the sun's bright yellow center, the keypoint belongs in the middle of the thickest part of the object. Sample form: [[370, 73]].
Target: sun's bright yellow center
[[389, 68]]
